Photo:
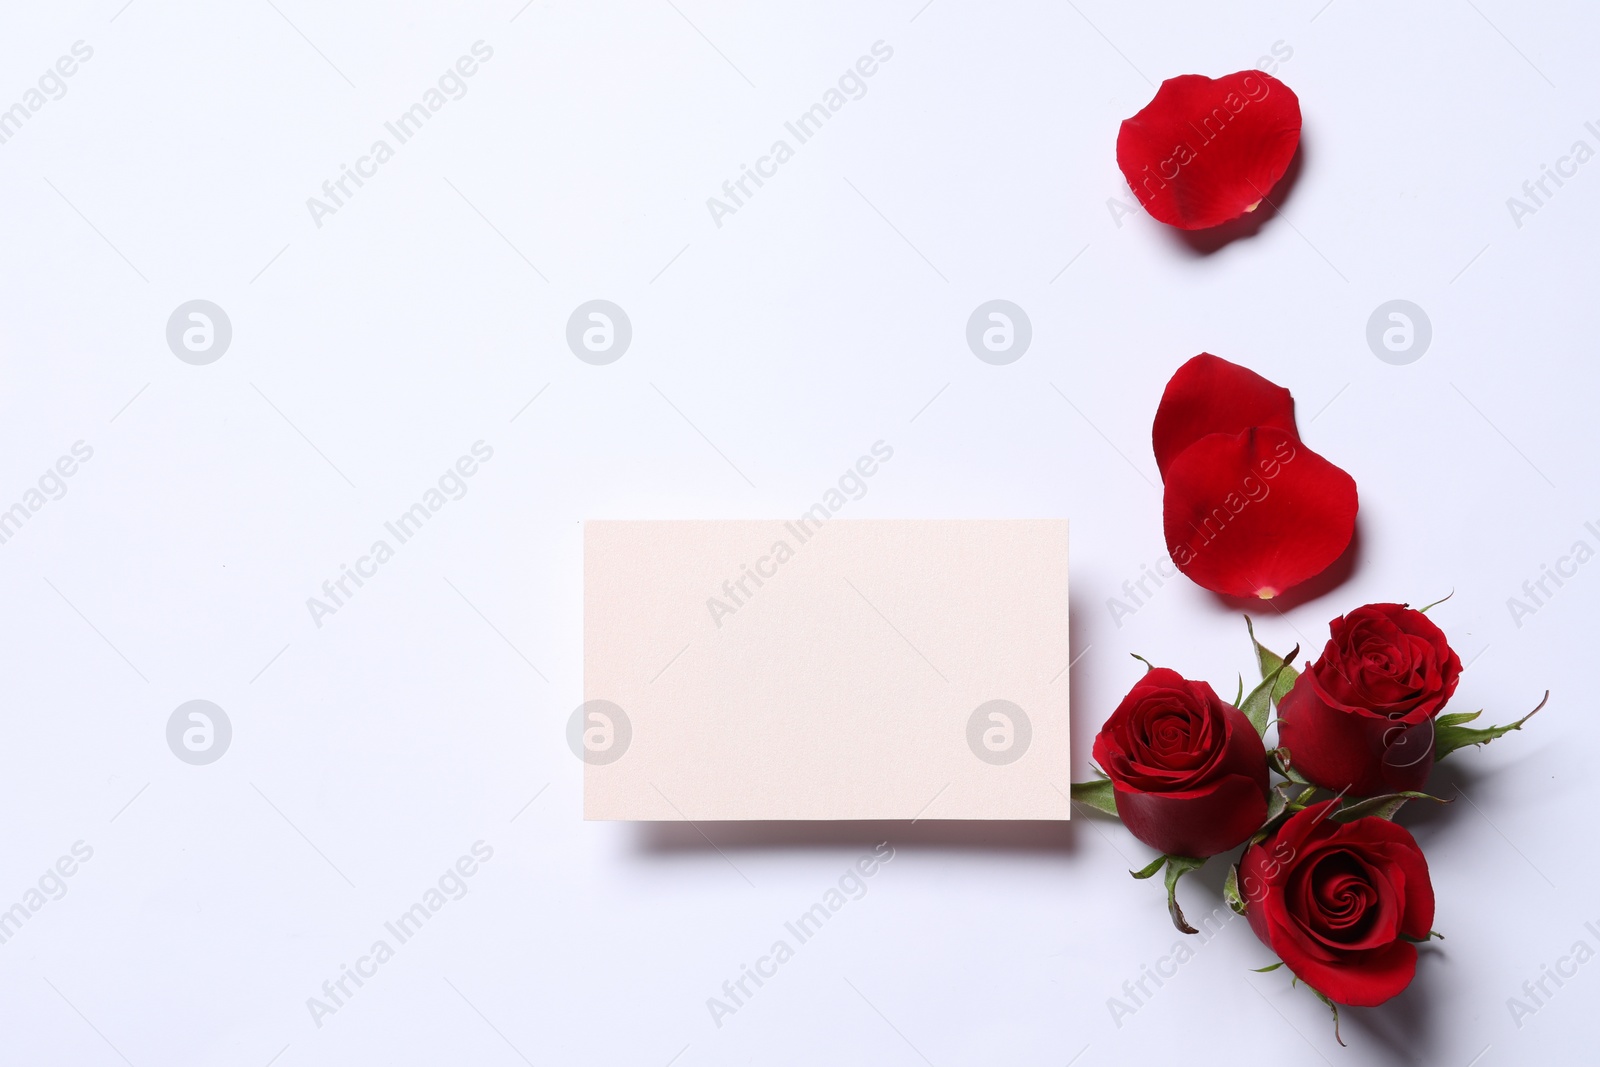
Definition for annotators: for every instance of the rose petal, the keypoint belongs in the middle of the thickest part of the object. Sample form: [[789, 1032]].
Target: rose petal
[[1345, 902], [1396, 844], [1209, 395], [1422, 669], [1199, 823], [1355, 752], [1203, 152], [1256, 513], [1381, 975]]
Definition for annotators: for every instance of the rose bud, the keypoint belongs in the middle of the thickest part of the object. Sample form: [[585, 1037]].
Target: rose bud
[[1190, 772], [1360, 719], [1205, 151], [1340, 903]]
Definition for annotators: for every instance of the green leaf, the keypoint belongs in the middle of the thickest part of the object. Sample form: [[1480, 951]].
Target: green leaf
[[1457, 718], [1286, 679], [1270, 661], [1230, 891], [1100, 795], [1154, 866], [1177, 867], [1447, 737], [1258, 705], [1268, 967], [1383, 807], [1436, 603]]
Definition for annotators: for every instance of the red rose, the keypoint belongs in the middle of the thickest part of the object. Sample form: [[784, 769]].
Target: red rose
[[1337, 901], [1203, 152], [1189, 771], [1248, 509], [1360, 719]]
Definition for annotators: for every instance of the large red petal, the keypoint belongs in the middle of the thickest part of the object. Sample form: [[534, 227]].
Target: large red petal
[[1203, 152], [1199, 823], [1256, 513], [1377, 976], [1209, 395], [1352, 752]]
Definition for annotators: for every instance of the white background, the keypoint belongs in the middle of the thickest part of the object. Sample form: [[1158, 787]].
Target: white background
[[829, 312]]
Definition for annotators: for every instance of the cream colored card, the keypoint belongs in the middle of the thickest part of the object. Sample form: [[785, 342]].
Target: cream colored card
[[825, 669]]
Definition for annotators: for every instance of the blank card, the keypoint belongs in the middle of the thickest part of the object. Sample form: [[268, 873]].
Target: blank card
[[825, 669]]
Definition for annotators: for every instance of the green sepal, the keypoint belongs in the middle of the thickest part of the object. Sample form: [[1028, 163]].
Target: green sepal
[[1268, 967], [1279, 760], [1436, 603], [1258, 705], [1383, 807], [1148, 666], [1280, 805], [1230, 891], [1270, 663], [1150, 870], [1333, 1008], [1450, 735], [1423, 940], [1239, 696], [1100, 795], [1277, 804], [1177, 867]]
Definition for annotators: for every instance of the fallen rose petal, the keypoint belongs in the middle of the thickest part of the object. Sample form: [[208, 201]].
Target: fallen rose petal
[[1209, 395], [1256, 513], [1204, 151]]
